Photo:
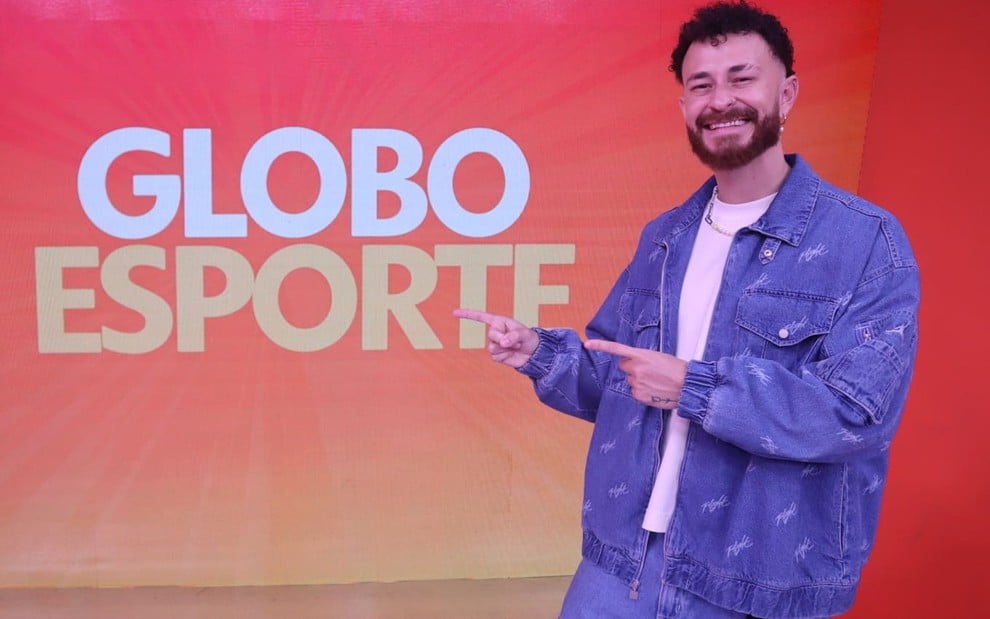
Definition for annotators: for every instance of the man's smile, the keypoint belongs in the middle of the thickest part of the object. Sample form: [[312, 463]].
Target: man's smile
[[738, 122]]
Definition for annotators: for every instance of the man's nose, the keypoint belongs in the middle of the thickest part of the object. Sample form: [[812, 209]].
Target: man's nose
[[722, 98]]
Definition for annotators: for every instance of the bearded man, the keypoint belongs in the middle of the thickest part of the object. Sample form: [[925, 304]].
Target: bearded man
[[747, 371]]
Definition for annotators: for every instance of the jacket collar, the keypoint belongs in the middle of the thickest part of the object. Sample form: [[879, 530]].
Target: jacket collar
[[788, 216], [790, 212]]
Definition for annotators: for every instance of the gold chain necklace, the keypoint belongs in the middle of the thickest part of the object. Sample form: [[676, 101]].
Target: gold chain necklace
[[708, 215]]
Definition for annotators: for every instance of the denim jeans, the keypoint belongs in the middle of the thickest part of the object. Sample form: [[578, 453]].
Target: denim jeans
[[595, 594]]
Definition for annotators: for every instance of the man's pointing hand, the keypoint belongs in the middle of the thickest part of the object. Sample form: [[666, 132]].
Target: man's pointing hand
[[509, 341], [656, 378]]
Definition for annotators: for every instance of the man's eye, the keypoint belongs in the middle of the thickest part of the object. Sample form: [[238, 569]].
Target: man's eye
[[700, 87]]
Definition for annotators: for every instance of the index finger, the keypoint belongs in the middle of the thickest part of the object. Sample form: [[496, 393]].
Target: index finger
[[470, 314], [612, 348]]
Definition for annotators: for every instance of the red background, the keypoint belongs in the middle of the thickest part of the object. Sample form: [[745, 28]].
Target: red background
[[925, 157]]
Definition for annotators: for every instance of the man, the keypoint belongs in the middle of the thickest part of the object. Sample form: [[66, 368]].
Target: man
[[746, 373]]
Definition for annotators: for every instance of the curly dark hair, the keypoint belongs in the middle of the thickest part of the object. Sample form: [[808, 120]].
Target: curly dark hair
[[718, 19]]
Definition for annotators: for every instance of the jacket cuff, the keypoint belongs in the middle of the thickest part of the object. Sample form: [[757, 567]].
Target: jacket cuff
[[542, 359], [699, 383]]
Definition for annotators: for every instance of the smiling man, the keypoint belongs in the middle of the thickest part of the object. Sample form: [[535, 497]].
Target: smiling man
[[746, 373]]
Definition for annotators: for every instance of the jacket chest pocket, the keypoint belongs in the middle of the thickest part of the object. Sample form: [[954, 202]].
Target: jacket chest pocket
[[639, 311], [782, 326], [639, 326]]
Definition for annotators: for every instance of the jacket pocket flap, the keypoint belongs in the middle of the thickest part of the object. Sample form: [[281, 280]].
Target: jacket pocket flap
[[640, 309], [785, 318]]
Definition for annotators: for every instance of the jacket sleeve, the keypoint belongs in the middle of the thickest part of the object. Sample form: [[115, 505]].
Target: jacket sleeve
[[847, 402], [567, 376]]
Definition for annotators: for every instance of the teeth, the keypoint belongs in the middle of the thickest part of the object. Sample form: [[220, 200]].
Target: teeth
[[731, 123]]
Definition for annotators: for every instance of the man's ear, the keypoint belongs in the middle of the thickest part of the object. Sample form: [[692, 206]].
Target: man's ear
[[788, 94]]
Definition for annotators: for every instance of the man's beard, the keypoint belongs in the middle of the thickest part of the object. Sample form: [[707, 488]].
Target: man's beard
[[766, 133]]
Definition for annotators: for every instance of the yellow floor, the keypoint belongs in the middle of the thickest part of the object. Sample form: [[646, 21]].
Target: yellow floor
[[472, 599]]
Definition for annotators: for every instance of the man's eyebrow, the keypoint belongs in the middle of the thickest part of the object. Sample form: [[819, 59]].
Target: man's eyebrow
[[737, 68], [699, 75]]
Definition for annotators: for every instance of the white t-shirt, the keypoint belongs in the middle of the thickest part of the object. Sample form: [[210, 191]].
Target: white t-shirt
[[698, 294]]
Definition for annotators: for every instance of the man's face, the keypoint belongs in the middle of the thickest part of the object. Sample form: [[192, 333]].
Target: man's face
[[735, 93]]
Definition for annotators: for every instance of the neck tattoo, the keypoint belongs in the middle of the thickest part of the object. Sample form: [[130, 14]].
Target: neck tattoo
[[708, 215]]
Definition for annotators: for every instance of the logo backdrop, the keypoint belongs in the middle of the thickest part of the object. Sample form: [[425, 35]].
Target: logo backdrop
[[233, 234]]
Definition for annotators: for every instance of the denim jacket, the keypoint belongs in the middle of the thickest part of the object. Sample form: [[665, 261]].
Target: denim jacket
[[794, 405]]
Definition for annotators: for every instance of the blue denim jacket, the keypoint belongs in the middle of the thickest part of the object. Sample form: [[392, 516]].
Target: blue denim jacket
[[806, 370]]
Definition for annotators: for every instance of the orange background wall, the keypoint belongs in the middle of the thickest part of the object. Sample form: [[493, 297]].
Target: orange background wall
[[250, 464]]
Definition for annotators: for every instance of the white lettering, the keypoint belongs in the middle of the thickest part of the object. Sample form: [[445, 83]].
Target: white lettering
[[368, 181], [254, 182], [440, 182], [92, 187]]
